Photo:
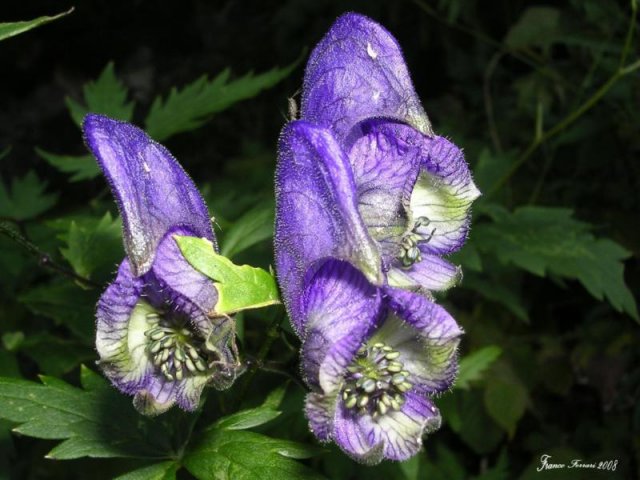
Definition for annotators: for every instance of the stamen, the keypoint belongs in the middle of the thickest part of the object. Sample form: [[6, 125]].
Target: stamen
[[376, 381], [409, 251], [175, 349]]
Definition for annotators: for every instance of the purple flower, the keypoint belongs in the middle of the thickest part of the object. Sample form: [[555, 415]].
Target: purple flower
[[154, 336], [373, 359], [368, 200], [362, 177]]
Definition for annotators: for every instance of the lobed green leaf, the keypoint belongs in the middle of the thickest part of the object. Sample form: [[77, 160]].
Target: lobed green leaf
[[240, 287]]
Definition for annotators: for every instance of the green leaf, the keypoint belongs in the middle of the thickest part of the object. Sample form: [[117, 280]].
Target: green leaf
[[94, 248], [240, 287], [189, 108], [106, 95], [504, 293], [26, 198], [242, 455], [82, 167], [547, 240], [158, 471], [96, 422], [54, 355], [538, 26], [66, 303], [253, 227], [506, 402], [15, 28], [247, 419], [475, 364]]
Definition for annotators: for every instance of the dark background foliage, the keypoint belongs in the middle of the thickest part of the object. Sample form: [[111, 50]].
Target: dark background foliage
[[558, 368]]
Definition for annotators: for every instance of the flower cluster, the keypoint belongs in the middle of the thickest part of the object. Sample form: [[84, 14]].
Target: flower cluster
[[155, 337], [368, 201]]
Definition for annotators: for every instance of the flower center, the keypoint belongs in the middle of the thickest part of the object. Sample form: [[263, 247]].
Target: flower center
[[409, 251], [376, 381], [174, 348]]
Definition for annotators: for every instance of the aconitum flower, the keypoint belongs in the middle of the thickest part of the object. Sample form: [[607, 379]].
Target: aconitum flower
[[373, 359], [368, 200], [154, 337], [362, 177]]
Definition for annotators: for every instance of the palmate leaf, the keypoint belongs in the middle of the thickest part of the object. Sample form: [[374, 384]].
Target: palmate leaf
[[96, 248], [241, 455], [187, 109], [80, 167], [473, 366], [106, 95], [544, 240], [240, 287], [225, 451], [94, 421], [26, 198], [12, 29]]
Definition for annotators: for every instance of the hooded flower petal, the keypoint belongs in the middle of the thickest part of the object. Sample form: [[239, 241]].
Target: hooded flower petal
[[340, 307], [153, 192], [177, 283], [316, 212], [385, 168], [356, 72], [395, 436]]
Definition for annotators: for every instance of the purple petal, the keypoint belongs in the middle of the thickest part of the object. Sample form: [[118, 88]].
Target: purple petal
[[385, 168], [316, 212], [432, 273], [397, 435], [340, 308], [356, 72], [428, 349], [443, 193], [121, 344], [319, 410], [153, 192], [174, 282]]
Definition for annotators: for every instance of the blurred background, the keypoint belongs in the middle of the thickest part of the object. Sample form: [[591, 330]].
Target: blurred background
[[542, 96]]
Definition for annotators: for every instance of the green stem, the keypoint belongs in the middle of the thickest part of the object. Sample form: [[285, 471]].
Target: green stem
[[578, 112], [44, 259], [273, 332]]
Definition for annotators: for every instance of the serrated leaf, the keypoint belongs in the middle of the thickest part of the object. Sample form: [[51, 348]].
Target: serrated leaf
[[26, 198], [66, 303], [158, 471], [94, 248], [242, 455], [506, 402], [475, 364], [106, 95], [187, 109], [93, 423], [547, 240], [12, 29], [240, 287], [254, 226], [82, 167]]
